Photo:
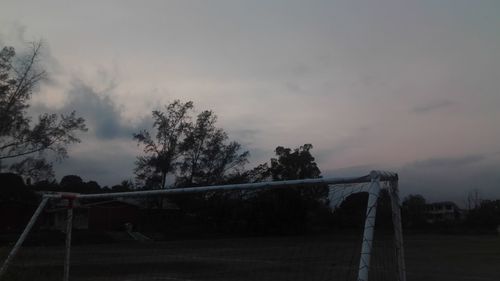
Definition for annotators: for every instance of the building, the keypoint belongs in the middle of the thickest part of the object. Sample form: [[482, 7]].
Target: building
[[101, 216], [442, 211], [110, 215]]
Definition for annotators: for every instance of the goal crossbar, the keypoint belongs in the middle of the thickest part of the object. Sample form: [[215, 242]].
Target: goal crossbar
[[380, 175]]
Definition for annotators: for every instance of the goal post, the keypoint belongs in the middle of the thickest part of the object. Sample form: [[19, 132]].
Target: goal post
[[338, 190], [23, 236], [371, 210]]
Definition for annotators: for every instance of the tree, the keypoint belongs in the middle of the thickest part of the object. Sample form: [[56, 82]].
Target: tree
[[197, 153], [14, 189], [259, 173], [74, 183], [23, 143], [296, 164], [485, 215], [33, 169], [46, 185], [208, 158], [124, 186], [162, 150], [290, 209], [71, 183], [414, 210]]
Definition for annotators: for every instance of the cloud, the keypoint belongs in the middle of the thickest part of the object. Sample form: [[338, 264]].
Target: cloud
[[451, 178], [432, 106], [441, 178], [245, 136], [293, 87], [447, 162], [102, 115], [352, 171], [106, 161], [107, 151], [12, 34]]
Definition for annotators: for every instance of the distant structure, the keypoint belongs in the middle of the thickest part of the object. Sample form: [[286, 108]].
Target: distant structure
[[108, 215], [443, 211]]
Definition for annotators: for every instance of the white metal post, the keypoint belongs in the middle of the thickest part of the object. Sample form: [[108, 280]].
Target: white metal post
[[244, 186], [371, 212], [398, 230], [23, 236], [69, 227]]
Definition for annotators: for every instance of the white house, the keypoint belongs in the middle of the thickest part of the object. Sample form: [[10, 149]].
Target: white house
[[442, 211]]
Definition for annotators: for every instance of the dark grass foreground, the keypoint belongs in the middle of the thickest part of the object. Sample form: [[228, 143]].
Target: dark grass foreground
[[326, 257]]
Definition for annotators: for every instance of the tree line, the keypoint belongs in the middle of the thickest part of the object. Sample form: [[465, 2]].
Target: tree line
[[181, 149]]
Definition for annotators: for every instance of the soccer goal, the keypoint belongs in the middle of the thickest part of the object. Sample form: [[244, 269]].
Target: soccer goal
[[312, 229]]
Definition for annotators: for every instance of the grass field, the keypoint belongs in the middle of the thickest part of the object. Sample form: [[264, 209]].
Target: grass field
[[428, 257], [459, 258]]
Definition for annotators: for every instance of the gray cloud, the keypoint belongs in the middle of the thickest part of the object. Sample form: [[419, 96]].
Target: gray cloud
[[12, 34], [103, 161], [293, 87], [432, 106], [440, 179], [447, 162], [353, 171], [107, 151], [452, 178], [245, 136], [103, 116]]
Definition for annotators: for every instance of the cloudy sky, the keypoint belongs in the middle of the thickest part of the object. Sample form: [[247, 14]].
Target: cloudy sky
[[410, 86]]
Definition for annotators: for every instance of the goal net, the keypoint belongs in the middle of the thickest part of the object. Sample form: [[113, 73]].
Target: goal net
[[312, 229]]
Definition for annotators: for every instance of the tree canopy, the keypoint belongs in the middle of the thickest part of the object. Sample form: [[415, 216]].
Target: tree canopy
[[208, 156], [24, 143], [294, 164], [162, 150], [192, 152], [289, 164]]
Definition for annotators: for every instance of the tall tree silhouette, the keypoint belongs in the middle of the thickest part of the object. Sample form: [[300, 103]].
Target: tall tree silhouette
[[164, 148], [208, 156], [22, 142], [196, 152]]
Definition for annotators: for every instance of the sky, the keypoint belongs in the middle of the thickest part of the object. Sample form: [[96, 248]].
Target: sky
[[407, 86]]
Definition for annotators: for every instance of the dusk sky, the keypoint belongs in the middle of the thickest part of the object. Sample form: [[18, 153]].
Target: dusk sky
[[407, 86]]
